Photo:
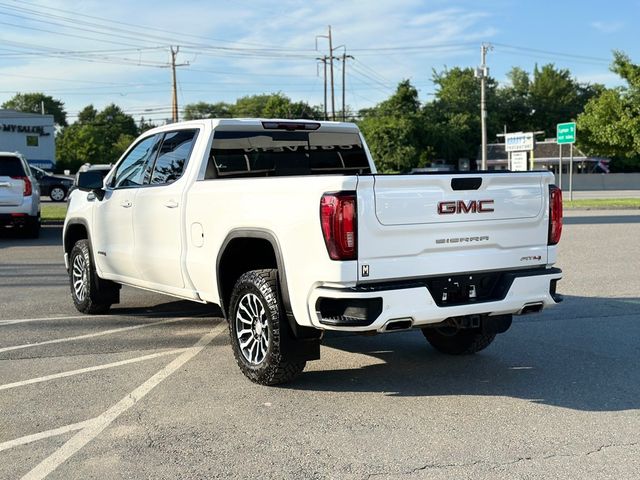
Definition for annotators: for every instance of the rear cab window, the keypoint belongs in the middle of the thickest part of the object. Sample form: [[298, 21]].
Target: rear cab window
[[11, 166], [266, 153], [173, 156]]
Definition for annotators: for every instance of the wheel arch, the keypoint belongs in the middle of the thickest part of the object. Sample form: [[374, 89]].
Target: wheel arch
[[75, 229], [267, 254]]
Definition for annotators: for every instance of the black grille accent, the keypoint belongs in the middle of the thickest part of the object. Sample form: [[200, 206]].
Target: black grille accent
[[466, 183], [489, 286], [348, 312]]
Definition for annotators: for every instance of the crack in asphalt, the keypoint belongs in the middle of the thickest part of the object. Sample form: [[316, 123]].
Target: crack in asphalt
[[495, 465]]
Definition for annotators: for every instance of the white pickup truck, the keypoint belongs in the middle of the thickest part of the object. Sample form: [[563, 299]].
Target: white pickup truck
[[289, 229]]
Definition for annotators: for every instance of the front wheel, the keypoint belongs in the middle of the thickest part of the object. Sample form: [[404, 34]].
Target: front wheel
[[257, 327], [57, 194], [453, 341], [89, 292]]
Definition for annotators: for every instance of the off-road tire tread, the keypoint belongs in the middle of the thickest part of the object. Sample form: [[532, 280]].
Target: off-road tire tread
[[99, 290], [274, 369]]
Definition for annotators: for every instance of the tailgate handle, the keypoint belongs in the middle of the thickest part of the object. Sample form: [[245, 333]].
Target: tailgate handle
[[5, 184], [472, 183]]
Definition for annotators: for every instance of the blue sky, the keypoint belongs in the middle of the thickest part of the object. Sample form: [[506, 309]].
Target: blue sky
[[116, 52]]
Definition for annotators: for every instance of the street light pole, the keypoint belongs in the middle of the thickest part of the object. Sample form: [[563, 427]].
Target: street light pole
[[483, 72]]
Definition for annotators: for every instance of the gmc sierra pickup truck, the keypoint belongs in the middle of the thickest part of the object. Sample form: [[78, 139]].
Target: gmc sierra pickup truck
[[289, 229]]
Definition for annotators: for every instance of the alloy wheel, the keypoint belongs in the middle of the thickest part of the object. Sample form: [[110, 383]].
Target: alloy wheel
[[252, 329]]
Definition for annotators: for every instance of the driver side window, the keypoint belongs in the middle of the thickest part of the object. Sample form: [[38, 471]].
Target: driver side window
[[130, 171]]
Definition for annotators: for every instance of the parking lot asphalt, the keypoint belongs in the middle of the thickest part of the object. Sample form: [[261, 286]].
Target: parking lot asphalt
[[152, 390]]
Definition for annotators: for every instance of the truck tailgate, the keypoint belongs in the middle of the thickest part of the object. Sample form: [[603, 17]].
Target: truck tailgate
[[412, 226], [11, 191]]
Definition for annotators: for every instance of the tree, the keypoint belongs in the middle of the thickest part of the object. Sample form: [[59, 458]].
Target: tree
[[455, 113], [33, 102], [553, 98], [394, 131], [274, 105], [610, 123], [514, 103], [97, 137], [195, 111], [87, 114]]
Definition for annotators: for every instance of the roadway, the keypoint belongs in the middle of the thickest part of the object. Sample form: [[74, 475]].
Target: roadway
[[152, 390]]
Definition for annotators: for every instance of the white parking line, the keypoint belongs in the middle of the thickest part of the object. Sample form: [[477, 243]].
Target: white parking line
[[79, 371], [23, 320], [75, 317], [98, 424], [90, 335], [42, 435]]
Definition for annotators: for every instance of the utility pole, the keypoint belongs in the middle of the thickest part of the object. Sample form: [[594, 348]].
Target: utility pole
[[344, 75], [323, 59], [174, 83], [482, 72], [330, 57], [333, 99], [174, 87]]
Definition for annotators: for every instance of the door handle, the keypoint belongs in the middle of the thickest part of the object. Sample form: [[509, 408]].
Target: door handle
[[125, 203], [171, 204]]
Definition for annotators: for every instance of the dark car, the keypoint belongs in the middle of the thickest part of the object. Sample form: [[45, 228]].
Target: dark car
[[102, 168], [55, 187]]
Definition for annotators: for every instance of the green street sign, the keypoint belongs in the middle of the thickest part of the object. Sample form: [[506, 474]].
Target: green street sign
[[566, 133]]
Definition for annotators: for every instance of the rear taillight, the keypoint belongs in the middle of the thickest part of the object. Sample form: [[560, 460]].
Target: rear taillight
[[555, 214], [28, 189], [338, 215]]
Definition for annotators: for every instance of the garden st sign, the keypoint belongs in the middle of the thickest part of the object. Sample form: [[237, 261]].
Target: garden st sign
[[566, 133]]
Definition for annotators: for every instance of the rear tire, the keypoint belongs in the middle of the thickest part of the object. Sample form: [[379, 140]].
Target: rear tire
[[457, 342], [90, 293], [258, 326]]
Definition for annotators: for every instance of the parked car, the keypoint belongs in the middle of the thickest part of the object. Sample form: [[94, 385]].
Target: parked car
[[101, 168], [55, 187], [287, 226], [19, 195]]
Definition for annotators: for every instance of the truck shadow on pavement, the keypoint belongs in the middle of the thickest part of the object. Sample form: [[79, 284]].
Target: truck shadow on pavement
[[582, 355], [50, 235]]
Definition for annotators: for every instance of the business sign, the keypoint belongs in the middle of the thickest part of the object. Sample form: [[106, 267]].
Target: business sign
[[518, 142], [519, 162], [7, 127], [566, 133]]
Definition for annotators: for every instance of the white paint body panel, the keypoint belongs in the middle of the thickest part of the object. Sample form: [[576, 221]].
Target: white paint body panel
[[174, 249]]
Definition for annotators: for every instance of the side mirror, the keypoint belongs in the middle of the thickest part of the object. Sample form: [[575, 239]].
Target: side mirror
[[91, 181]]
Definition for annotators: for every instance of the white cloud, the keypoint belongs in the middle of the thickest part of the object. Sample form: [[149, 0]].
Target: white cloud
[[608, 26], [287, 24]]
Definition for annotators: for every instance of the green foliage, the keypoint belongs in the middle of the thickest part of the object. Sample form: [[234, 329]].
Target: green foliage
[[610, 123], [195, 111], [553, 97], [32, 103], [275, 105], [394, 131], [97, 137]]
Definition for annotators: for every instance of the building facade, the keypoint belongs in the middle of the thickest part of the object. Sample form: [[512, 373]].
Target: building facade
[[30, 134]]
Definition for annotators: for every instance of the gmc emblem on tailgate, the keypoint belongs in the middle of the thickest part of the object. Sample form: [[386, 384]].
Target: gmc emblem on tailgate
[[460, 206]]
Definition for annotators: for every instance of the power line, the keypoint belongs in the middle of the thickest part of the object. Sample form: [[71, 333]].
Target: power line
[[139, 28]]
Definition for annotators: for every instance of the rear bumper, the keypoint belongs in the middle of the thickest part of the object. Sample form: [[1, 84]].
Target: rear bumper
[[360, 311], [15, 219]]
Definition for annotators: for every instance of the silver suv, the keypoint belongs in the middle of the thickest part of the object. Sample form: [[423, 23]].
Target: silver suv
[[19, 195]]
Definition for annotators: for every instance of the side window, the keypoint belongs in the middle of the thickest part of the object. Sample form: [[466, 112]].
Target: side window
[[173, 156], [130, 172]]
